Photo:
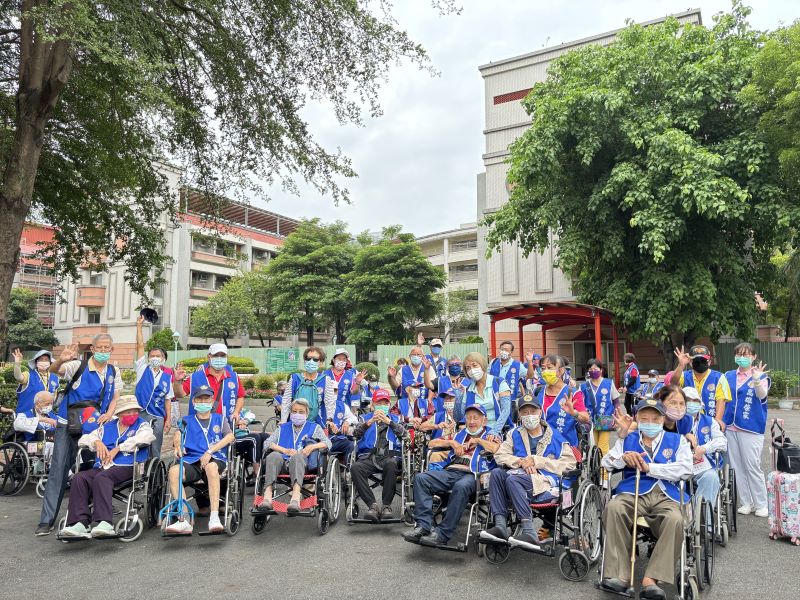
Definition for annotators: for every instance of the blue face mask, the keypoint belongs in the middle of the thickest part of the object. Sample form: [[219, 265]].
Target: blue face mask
[[454, 370], [416, 360], [312, 366], [436, 350], [218, 362], [651, 430], [203, 407], [101, 357], [693, 408]]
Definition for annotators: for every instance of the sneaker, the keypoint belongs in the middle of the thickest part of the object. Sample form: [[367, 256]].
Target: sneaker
[[180, 527], [745, 509], [494, 534], [214, 524], [762, 512], [434, 538], [372, 514], [525, 540], [43, 529], [103, 529], [386, 512], [79, 530], [415, 534]]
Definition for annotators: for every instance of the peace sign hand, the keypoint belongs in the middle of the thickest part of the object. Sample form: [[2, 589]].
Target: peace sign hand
[[69, 353], [529, 357], [426, 363], [567, 405], [420, 338], [17, 355], [760, 370], [682, 356], [361, 375]]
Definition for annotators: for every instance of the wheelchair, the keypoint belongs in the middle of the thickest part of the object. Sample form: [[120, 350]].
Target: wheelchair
[[142, 496], [576, 522], [691, 564], [725, 509], [25, 461], [231, 496], [590, 455], [320, 495], [408, 458]]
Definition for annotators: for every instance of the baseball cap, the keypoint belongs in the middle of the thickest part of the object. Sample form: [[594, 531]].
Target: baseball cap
[[699, 350], [691, 393], [528, 400], [653, 372], [202, 390], [537, 357], [449, 392], [651, 403], [436, 342], [216, 348], [477, 407], [380, 395]]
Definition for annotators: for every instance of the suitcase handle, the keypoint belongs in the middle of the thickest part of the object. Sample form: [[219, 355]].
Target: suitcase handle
[[776, 423]]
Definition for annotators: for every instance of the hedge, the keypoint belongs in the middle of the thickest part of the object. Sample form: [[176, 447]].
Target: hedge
[[8, 398], [243, 366], [370, 368]]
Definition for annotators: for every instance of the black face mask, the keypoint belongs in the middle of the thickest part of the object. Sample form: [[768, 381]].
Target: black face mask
[[700, 365]]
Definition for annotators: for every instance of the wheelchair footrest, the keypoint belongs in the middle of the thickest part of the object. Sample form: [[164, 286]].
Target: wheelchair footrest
[[207, 533], [70, 539], [392, 521], [459, 547], [629, 593]]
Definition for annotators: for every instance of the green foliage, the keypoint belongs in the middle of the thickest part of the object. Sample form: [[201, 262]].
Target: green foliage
[[391, 285], [242, 366], [7, 374], [227, 314], [645, 161], [162, 339], [454, 311], [371, 369], [25, 331], [259, 289], [471, 339], [782, 381], [128, 376], [264, 382], [8, 399], [248, 383], [782, 297]]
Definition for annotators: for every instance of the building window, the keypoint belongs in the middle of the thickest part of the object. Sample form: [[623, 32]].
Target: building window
[[95, 278], [463, 245], [93, 316], [463, 272], [202, 280], [261, 256], [201, 243], [220, 280]]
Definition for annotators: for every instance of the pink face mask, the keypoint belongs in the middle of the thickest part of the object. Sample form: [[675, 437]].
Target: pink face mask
[[128, 420]]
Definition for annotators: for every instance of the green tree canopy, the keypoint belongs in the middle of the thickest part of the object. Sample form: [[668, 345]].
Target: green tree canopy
[[259, 286], [392, 283], [227, 314], [162, 339], [25, 330], [454, 311], [645, 160]]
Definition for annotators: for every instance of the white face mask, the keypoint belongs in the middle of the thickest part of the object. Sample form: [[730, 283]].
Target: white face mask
[[504, 355], [45, 409], [155, 362], [530, 422], [339, 364], [415, 393], [476, 373], [43, 365], [449, 406]]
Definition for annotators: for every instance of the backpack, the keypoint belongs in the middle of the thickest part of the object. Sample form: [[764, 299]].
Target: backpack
[[308, 391]]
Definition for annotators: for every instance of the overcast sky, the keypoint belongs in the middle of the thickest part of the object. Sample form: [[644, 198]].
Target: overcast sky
[[418, 162]]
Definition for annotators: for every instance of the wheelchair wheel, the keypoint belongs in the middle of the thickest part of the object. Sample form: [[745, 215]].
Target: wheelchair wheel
[[691, 590], [129, 528], [323, 521], [705, 567], [258, 524], [408, 517], [588, 520], [40, 487], [574, 565], [496, 554], [270, 425], [233, 512], [593, 466], [733, 494], [14, 469], [155, 482], [333, 489]]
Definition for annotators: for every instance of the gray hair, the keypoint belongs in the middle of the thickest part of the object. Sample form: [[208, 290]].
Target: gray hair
[[102, 336], [454, 357]]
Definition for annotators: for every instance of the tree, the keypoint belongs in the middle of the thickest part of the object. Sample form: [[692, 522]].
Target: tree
[[646, 162], [259, 286], [454, 311], [784, 296], [392, 283], [94, 94], [162, 339], [25, 330], [308, 274], [227, 314]]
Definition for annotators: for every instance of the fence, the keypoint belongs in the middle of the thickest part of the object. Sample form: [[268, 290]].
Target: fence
[[269, 360], [387, 355], [778, 356]]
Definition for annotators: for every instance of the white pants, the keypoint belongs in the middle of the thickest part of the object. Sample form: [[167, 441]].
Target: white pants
[[744, 451]]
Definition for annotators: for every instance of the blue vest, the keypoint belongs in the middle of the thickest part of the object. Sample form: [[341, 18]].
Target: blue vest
[[554, 450], [746, 411], [198, 439], [557, 417], [403, 401], [342, 387], [512, 377], [439, 364], [112, 438], [684, 426], [300, 387], [152, 397], [287, 438], [337, 417], [439, 417], [25, 404], [228, 395], [470, 397], [478, 463], [629, 382], [89, 390], [702, 431], [666, 452], [370, 438], [709, 389], [599, 403]]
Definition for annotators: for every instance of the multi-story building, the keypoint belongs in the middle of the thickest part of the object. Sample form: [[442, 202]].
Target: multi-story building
[[202, 261], [508, 278], [36, 274], [456, 251]]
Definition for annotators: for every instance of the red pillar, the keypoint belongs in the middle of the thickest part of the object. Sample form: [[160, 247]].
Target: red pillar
[[544, 342], [616, 352], [521, 342], [598, 347], [492, 338]]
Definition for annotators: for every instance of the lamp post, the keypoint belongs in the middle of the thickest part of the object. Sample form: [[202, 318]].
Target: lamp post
[[176, 337]]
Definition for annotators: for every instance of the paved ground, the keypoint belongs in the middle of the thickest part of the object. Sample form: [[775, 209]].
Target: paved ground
[[291, 560]]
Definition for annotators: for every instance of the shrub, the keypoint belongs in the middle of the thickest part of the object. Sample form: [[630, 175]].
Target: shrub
[[8, 399], [781, 381], [128, 376], [371, 369], [265, 382], [248, 383], [243, 366], [471, 339], [7, 373]]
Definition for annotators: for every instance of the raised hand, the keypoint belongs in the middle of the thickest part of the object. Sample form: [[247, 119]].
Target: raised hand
[[529, 357], [682, 356], [567, 405], [140, 320], [392, 372], [622, 420], [69, 353], [760, 370], [420, 338], [17, 355], [425, 362], [360, 376], [180, 372]]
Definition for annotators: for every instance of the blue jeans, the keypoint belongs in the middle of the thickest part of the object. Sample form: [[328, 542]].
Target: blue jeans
[[158, 431], [516, 489], [461, 487], [64, 451], [342, 448]]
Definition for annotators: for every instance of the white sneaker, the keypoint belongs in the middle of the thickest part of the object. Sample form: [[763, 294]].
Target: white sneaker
[[214, 524], [180, 527], [79, 530], [103, 529], [762, 512], [745, 509]]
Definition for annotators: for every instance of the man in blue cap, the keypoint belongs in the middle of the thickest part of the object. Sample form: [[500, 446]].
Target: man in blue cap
[[455, 475]]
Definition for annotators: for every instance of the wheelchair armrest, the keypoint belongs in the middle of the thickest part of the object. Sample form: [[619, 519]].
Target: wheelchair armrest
[[571, 474]]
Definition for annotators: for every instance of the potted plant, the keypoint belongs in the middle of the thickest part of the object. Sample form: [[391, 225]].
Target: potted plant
[[782, 383]]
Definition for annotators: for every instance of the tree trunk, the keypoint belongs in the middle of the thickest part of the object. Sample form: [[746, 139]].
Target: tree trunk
[[261, 339], [340, 336], [225, 338], [788, 321]]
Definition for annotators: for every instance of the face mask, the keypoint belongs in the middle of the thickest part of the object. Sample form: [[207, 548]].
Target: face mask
[[449, 406], [339, 364], [43, 365], [676, 414], [384, 408], [101, 357], [436, 350], [415, 393], [595, 374], [550, 376], [693, 408], [298, 419], [218, 362], [744, 361], [46, 409], [416, 360], [476, 373], [700, 364], [474, 432], [312, 366], [203, 407], [373, 385], [650, 430], [530, 421], [155, 362], [454, 370], [504, 355], [128, 420]]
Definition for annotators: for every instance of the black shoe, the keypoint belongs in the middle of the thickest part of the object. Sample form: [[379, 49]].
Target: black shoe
[[494, 534], [614, 585], [525, 540], [372, 514], [43, 529], [386, 512], [415, 534], [652, 592], [434, 539]]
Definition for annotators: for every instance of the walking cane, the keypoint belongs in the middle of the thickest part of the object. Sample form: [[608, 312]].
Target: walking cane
[[635, 518]]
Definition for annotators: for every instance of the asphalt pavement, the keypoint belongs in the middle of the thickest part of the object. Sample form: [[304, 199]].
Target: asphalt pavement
[[291, 560]]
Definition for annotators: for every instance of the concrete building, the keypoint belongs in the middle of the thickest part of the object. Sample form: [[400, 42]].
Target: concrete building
[[508, 278], [202, 263], [456, 251], [36, 274]]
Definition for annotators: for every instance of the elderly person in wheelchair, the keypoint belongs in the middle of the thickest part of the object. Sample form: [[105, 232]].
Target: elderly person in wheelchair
[[457, 476], [654, 462], [531, 460], [115, 444], [292, 449]]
